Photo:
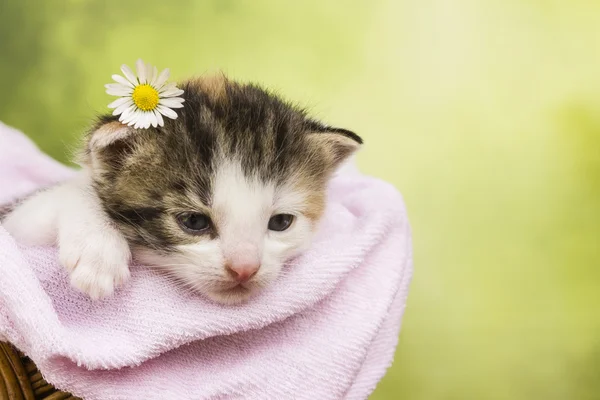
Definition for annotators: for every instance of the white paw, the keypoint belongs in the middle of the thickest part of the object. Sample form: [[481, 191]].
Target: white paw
[[33, 221], [92, 249], [98, 262]]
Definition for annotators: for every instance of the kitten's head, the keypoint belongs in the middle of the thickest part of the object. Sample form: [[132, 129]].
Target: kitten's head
[[225, 194]]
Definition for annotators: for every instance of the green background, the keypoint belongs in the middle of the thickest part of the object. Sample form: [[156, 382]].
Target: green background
[[485, 114]]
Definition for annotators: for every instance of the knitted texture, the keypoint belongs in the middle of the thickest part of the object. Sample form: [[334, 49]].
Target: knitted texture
[[326, 329]]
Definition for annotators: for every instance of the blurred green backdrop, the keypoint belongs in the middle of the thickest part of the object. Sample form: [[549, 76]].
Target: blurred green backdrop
[[485, 114]]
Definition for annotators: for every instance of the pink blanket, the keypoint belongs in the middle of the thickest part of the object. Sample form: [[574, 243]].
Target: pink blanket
[[327, 329]]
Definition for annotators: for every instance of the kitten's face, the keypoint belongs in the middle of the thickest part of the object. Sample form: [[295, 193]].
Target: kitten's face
[[223, 196]]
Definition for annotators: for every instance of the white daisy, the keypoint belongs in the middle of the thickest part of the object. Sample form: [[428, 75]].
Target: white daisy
[[145, 99]]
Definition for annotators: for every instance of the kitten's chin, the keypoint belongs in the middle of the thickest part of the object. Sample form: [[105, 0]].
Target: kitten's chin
[[205, 280], [231, 296]]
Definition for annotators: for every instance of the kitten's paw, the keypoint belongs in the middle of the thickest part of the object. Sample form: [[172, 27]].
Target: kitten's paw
[[97, 282], [98, 263]]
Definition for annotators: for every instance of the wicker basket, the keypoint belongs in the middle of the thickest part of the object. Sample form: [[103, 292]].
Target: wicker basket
[[21, 380]]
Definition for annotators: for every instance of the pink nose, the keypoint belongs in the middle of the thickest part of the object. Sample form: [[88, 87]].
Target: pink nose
[[242, 272]]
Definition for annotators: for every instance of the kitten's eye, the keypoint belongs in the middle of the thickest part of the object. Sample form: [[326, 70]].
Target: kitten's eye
[[194, 222], [280, 222]]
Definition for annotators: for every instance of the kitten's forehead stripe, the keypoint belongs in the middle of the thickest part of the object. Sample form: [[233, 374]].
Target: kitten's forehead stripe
[[144, 175]]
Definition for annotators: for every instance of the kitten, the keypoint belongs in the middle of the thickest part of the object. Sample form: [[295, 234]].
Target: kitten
[[219, 198]]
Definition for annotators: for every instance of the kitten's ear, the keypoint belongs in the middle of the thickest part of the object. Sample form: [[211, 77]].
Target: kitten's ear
[[105, 144], [338, 144], [107, 133]]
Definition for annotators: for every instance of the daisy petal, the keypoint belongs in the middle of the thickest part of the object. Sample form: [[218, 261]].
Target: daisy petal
[[153, 119], [129, 74], [162, 78], [131, 119], [123, 107], [141, 70], [148, 119], [171, 93], [122, 81], [128, 114], [116, 86], [167, 112], [118, 102], [154, 76], [119, 92], [137, 121], [134, 117], [149, 73], [167, 86], [159, 118], [172, 102], [144, 120], [118, 110]]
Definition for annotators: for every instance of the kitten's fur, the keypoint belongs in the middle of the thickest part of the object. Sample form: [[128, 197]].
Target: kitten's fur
[[236, 154]]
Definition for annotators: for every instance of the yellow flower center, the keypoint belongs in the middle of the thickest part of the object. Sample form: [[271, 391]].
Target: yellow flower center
[[145, 97]]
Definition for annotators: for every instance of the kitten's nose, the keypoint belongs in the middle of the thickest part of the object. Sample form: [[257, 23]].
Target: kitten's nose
[[242, 271]]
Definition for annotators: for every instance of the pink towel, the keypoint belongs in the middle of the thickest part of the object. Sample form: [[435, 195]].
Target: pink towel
[[326, 329]]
